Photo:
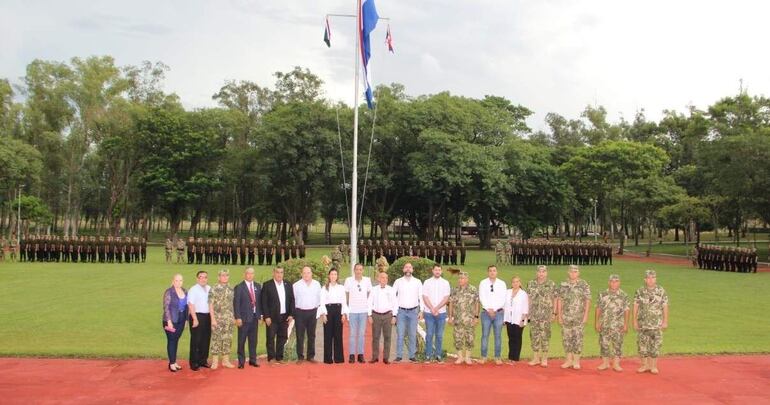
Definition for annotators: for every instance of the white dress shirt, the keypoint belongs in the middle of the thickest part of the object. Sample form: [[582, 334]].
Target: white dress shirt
[[436, 289], [281, 295], [358, 294], [408, 292], [307, 296], [382, 300], [335, 295], [516, 307], [199, 297], [492, 298]]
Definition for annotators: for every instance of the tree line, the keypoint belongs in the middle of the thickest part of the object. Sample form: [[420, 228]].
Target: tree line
[[92, 144]]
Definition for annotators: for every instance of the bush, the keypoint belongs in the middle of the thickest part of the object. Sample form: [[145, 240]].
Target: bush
[[292, 270], [422, 268]]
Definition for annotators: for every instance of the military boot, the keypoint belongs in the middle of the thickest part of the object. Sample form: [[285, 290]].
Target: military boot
[[544, 359], [226, 362], [460, 357], [654, 365], [616, 364], [214, 362], [576, 361], [605, 364], [468, 359], [535, 359], [643, 367], [567, 361]]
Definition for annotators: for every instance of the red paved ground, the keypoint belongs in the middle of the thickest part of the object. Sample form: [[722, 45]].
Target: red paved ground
[[683, 380]]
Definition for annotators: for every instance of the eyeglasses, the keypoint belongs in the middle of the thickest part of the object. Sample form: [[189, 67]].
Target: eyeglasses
[[359, 288], [492, 287]]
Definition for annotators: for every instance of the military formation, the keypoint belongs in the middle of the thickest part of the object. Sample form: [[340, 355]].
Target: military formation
[[234, 251], [445, 253], [81, 249], [536, 252], [726, 258]]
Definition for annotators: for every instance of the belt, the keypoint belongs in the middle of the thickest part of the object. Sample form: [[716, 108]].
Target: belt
[[407, 309], [382, 313], [311, 309], [333, 305]]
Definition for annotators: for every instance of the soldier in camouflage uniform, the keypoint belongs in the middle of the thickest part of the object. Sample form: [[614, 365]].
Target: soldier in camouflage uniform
[[464, 308], [573, 304], [222, 320], [612, 312], [169, 249], [542, 308], [650, 320], [337, 258], [179, 250]]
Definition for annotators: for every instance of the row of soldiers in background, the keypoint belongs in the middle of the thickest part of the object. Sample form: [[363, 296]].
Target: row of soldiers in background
[[541, 251], [439, 252], [83, 249], [726, 258], [234, 251]]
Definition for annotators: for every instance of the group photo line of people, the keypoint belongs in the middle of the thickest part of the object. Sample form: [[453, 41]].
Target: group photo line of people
[[725, 258], [76, 249], [542, 251], [214, 312]]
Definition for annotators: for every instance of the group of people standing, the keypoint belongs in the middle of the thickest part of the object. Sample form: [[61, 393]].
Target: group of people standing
[[726, 258], [233, 251], [215, 311], [542, 251], [82, 249], [441, 252]]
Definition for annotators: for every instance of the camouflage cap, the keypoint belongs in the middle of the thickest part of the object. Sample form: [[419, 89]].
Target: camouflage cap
[[649, 273], [614, 277], [224, 271]]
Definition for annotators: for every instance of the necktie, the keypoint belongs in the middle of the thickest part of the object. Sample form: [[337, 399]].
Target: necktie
[[252, 297]]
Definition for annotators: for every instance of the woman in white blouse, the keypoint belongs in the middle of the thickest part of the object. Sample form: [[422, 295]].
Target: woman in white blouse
[[515, 317], [332, 311]]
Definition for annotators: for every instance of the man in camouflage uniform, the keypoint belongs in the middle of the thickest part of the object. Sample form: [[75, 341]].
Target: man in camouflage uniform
[[464, 309], [650, 320], [612, 312], [337, 258], [542, 308], [573, 304], [169, 249], [179, 250], [222, 320]]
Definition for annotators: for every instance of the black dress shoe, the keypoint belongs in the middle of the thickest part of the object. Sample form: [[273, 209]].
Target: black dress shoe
[[194, 368], [240, 365], [253, 364], [413, 360], [386, 361], [352, 359], [373, 361], [361, 358], [206, 365]]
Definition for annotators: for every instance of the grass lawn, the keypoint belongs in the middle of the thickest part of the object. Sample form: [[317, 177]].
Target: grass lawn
[[93, 310]]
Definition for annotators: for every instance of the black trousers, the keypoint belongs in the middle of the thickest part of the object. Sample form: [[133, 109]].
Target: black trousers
[[248, 331], [200, 338], [333, 334], [305, 323], [514, 340], [277, 334]]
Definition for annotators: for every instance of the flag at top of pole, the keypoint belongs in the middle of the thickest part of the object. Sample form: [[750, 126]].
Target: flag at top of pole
[[327, 33], [367, 20], [389, 40]]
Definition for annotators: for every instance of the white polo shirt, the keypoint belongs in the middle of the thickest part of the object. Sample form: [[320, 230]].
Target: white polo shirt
[[492, 296], [436, 289], [358, 294], [408, 292], [199, 297]]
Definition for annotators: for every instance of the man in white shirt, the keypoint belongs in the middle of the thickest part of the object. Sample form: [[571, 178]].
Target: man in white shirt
[[409, 298], [383, 309], [200, 322], [435, 296], [492, 296], [307, 298], [358, 289]]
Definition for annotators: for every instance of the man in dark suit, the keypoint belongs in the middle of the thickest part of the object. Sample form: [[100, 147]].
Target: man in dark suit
[[278, 311], [247, 307]]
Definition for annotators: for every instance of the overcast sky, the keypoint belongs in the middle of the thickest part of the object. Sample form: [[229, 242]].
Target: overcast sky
[[548, 55]]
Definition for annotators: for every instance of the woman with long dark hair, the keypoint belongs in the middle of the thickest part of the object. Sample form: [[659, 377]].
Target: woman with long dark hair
[[332, 311]]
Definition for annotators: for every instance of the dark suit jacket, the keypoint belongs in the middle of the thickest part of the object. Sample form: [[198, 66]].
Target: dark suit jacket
[[242, 302], [271, 305]]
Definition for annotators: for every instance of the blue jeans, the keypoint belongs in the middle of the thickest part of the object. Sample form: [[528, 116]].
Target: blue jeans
[[406, 322], [357, 332], [486, 323], [172, 339], [434, 326]]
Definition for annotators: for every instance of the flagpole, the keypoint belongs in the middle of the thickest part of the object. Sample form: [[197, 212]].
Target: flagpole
[[354, 197]]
